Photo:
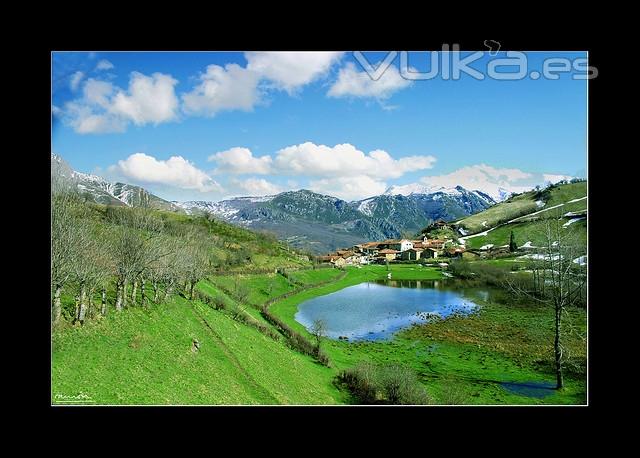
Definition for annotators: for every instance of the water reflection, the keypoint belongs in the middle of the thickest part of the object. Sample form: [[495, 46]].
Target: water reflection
[[376, 310]]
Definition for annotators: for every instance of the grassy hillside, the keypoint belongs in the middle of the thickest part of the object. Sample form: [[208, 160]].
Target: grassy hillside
[[528, 218], [146, 357], [527, 231], [525, 203]]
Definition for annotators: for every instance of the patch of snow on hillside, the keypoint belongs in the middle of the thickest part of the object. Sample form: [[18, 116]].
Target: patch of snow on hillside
[[527, 245], [486, 247], [253, 198], [484, 224], [540, 203], [571, 221], [581, 261], [541, 257], [366, 207]]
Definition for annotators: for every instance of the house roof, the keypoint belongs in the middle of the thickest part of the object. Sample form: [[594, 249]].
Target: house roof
[[388, 251], [415, 249]]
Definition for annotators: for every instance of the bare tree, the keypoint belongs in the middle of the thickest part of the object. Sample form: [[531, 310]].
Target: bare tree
[[86, 270], [318, 330], [134, 248], [557, 281], [196, 260], [63, 239]]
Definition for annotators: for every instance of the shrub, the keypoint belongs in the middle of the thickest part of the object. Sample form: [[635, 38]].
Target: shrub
[[389, 384], [453, 393], [361, 381]]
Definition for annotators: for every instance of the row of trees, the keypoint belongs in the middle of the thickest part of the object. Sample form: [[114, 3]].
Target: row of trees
[[131, 249]]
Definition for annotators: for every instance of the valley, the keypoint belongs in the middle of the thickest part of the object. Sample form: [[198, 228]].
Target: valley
[[234, 334]]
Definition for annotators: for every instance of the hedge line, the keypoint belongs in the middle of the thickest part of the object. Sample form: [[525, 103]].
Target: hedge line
[[295, 340], [219, 304]]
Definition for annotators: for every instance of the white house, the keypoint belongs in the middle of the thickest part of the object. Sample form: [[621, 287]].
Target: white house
[[401, 245]]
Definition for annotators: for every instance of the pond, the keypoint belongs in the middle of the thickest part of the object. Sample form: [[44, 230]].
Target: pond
[[530, 389], [376, 310]]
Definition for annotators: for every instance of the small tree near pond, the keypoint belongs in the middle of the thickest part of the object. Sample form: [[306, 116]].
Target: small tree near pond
[[557, 282], [319, 330]]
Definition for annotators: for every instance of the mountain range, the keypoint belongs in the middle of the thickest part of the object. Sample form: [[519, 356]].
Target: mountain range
[[305, 219], [107, 193], [321, 223]]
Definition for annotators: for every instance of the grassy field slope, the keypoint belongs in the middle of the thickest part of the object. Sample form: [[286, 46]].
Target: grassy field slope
[[525, 204], [145, 357], [527, 218]]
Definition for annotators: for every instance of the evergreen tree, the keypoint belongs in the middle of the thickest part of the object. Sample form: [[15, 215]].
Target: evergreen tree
[[512, 243]]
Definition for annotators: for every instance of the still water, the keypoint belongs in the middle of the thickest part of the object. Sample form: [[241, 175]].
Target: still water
[[376, 310]]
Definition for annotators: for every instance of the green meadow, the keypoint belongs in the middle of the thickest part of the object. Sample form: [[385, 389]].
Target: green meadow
[[146, 355]]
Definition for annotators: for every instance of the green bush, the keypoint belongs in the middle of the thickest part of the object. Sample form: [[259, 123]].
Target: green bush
[[384, 384]]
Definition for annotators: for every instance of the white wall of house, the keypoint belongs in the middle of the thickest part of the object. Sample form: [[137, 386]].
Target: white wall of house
[[406, 245]]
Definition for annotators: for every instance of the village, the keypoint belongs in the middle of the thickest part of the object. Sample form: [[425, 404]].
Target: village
[[398, 250]]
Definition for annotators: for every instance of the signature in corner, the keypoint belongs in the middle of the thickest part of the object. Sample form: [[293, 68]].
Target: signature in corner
[[80, 397]]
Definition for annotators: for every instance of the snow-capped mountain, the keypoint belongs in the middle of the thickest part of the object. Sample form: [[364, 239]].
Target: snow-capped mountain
[[304, 218], [496, 194], [322, 223], [105, 192]]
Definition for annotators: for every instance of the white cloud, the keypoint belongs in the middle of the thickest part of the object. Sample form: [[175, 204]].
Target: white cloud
[[240, 160], [552, 178], [105, 108], [345, 160], [104, 64], [98, 93], [175, 171], [84, 120], [150, 99], [291, 70], [256, 187], [76, 78], [229, 88], [354, 83], [349, 188]]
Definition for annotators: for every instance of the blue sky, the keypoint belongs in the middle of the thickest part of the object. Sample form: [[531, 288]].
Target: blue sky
[[204, 126]]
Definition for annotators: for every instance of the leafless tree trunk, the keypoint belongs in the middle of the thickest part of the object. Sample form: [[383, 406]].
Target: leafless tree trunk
[[156, 292], [57, 308], [82, 308], [142, 285], [134, 292], [103, 309], [557, 348], [124, 293], [119, 294], [167, 293]]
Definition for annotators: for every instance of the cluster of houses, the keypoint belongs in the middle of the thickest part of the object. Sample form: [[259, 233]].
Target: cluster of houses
[[393, 250]]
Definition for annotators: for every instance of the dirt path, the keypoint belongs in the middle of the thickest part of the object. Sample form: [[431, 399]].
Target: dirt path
[[265, 394]]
